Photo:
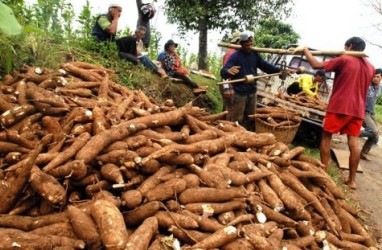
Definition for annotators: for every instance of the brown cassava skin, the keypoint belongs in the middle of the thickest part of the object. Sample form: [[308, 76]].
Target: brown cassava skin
[[252, 140], [226, 217], [58, 229], [110, 223], [111, 173], [28, 223], [239, 243], [290, 200], [270, 197], [117, 157], [302, 242], [12, 187], [26, 240], [167, 190], [291, 181], [69, 152], [256, 240], [106, 195], [271, 214], [203, 135], [250, 218], [75, 170], [263, 230], [206, 224], [207, 146], [15, 137], [192, 180], [47, 186], [209, 178], [138, 215], [167, 219], [23, 205], [131, 199], [188, 236], [218, 239], [177, 159], [154, 179], [193, 195], [142, 236], [218, 208], [84, 227], [98, 142]]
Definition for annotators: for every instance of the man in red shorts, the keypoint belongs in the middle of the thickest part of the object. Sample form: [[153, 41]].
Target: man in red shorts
[[346, 108]]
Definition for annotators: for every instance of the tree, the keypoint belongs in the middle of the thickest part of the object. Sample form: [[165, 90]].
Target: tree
[[272, 33], [204, 15], [376, 5]]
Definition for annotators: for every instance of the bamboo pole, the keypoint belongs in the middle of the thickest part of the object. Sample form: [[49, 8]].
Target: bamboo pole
[[290, 52], [248, 79]]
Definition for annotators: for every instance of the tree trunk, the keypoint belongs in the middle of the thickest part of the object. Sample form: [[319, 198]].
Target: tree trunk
[[142, 22], [203, 35]]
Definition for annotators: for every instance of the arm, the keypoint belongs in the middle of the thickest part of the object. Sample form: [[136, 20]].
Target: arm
[[112, 27], [306, 84], [312, 60], [230, 68]]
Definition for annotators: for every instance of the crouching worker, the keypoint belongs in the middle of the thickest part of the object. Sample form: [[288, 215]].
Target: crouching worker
[[131, 48], [307, 83], [172, 65]]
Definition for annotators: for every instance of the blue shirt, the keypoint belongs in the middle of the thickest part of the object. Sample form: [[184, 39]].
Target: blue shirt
[[248, 62], [161, 56], [372, 96]]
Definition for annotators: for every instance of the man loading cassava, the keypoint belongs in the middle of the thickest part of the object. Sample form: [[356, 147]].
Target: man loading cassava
[[346, 108]]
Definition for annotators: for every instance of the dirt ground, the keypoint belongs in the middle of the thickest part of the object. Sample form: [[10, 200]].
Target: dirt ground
[[369, 183]]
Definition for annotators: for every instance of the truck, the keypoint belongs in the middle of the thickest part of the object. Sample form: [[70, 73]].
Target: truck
[[268, 90]]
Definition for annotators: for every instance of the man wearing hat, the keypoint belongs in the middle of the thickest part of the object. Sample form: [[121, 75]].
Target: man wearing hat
[[307, 83], [106, 25], [244, 62], [171, 63]]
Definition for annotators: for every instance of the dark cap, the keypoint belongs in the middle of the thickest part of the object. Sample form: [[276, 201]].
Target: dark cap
[[169, 43], [321, 73]]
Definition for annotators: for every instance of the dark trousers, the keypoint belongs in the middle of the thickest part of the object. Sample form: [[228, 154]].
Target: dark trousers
[[187, 80], [294, 89], [370, 132], [242, 106]]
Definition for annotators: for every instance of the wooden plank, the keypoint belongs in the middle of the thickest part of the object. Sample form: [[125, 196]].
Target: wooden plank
[[341, 156]]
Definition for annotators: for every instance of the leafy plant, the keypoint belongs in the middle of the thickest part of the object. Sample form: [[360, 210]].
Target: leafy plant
[[202, 16]]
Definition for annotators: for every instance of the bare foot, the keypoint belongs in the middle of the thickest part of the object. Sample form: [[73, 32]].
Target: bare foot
[[351, 184]]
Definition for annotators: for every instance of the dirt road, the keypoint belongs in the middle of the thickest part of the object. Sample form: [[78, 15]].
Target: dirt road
[[369, 185]]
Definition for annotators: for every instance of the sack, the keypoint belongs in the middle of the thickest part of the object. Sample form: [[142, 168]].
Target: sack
[[148, 10]]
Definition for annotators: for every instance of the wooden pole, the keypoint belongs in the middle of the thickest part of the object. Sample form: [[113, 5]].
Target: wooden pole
[[290, 52], [248, 79]]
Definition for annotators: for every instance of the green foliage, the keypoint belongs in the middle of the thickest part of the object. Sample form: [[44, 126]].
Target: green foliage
[[378, 113], [379, 101], [272, 33], [223, 14]]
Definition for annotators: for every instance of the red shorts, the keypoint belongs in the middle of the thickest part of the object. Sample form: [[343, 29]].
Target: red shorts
[[345, 124]]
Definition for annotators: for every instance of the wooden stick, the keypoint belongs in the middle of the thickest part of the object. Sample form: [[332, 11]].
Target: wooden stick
[[246, 80], [290, 52]]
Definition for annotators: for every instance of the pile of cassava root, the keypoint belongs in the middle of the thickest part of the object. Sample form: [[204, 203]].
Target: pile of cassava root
[[89, 164], [277, 117], [302, 99]]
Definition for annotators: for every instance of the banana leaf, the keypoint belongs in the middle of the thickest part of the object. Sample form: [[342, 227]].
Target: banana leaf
[[8, 22]]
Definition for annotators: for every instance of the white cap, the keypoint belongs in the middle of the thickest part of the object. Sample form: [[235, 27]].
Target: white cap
[[115, 4], [245, 36]]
